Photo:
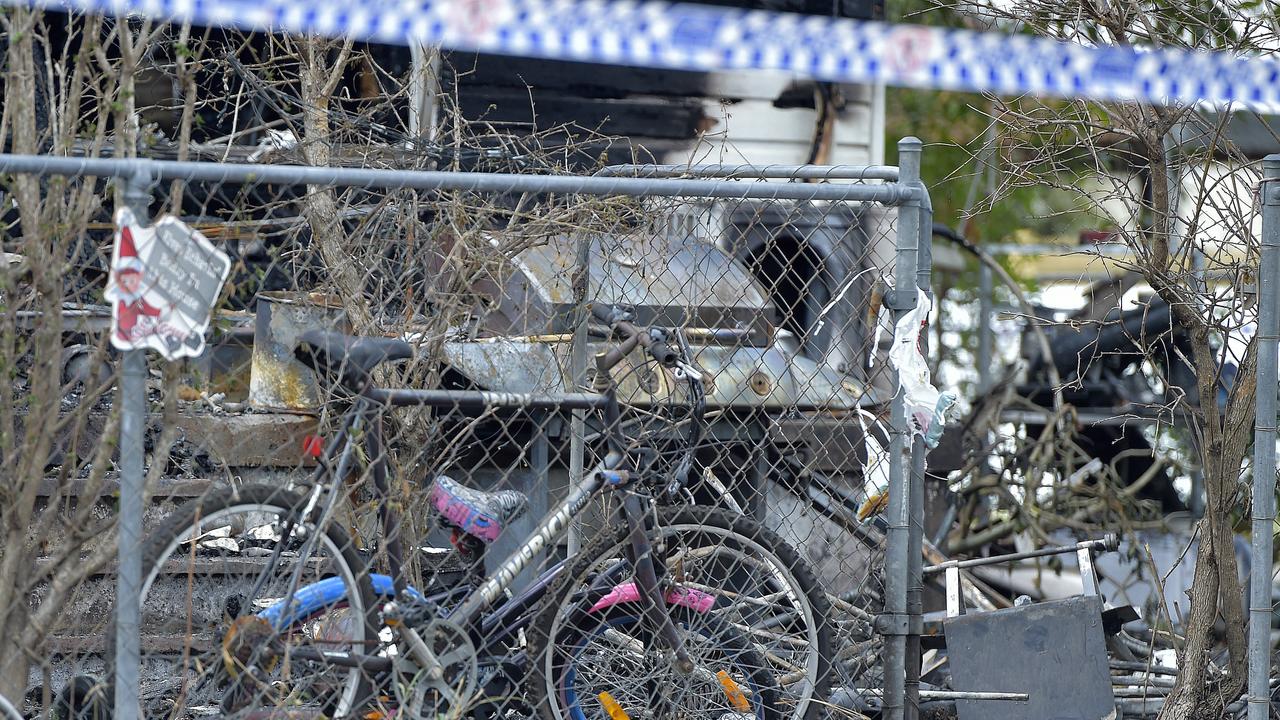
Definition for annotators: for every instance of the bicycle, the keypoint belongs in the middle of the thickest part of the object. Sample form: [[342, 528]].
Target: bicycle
[[330, 637]]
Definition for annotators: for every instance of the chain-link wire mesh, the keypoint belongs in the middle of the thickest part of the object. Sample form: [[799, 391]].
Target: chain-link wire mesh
[[317, 546]]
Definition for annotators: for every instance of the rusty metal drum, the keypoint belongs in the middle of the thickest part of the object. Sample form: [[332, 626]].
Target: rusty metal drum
[[278, 381]]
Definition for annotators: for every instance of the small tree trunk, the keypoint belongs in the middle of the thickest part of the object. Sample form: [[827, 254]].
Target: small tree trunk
[[15, 559], [1216, 587], [321, 205]]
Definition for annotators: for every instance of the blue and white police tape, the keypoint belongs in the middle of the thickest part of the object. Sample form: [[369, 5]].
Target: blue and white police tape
[[692, 37]]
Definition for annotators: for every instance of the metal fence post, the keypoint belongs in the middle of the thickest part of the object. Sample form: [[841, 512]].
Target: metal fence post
[[133, 423], [1264, 445], [915, 495], [578, 372], [895, 620]]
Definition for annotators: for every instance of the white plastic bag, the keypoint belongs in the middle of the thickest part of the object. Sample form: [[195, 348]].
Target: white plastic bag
[[926, 406]]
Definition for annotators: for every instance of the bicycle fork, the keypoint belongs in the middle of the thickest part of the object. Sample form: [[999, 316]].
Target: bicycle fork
[[647, 581]]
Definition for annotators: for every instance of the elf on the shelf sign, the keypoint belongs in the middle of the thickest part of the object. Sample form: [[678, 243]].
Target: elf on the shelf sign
[[165, 280]]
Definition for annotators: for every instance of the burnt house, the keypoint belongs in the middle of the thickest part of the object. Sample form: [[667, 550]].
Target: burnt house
[[405, 107]]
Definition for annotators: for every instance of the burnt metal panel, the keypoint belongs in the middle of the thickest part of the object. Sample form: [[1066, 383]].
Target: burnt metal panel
[[1053, 651], [824, 443], [277, 380], [536, 108], [473, 73], [252, 439], [814, 262], [671, 278], [744, 377], [647, 269]]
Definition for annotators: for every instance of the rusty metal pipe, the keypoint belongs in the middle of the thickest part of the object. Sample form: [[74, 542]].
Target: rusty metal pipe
[[1108, 543], [614, 355]]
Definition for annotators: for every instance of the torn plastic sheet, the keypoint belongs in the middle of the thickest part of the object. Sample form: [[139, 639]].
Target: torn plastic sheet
[[926, 406]]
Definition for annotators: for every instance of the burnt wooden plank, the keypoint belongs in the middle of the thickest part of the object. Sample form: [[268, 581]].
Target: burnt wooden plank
[[669, 118], [475, 73], [166, 488], [206, 567]]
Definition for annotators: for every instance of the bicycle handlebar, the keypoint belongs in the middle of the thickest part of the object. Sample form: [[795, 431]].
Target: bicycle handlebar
[[655, 343], [652, 340], [660, 351]]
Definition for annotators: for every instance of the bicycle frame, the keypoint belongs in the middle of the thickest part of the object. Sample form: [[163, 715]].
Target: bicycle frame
[[375, 400], [488, 628]]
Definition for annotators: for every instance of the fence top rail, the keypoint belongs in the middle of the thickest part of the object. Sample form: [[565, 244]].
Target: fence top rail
[[156, 170], [759, 172]]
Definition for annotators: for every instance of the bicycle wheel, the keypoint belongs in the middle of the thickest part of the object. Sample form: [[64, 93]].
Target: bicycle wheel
[[761, 589], [7, 710], [202, 632], [764, 588], [597, 664]]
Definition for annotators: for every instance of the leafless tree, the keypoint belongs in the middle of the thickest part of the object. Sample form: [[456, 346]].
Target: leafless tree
[[55, 101], [1181, 196]]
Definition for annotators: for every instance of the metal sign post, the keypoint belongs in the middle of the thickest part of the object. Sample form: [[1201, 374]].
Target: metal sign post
[[133, 421], [164, 283]]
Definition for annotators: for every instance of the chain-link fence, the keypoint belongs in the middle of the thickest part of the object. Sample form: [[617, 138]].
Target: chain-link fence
[[469, 444]]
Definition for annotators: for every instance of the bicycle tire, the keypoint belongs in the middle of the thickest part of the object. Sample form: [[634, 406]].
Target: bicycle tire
[[743, 531], [701, 633], [162, 543], [811, 598], [8, 711]]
